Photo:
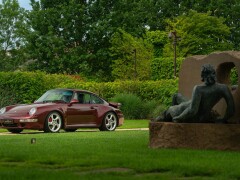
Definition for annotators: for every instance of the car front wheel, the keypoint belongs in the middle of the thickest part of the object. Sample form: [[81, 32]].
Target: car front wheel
[[53, 122], [109, 122]]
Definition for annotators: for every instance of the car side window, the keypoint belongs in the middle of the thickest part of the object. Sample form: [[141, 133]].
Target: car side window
[[96, 100], [83, 98], [80, 98], [86, 98]]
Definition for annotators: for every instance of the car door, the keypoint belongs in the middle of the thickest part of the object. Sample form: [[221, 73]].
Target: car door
[[82, 114]]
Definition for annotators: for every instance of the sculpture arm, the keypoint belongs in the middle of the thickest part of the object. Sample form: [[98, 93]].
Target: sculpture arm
[[193, 108]]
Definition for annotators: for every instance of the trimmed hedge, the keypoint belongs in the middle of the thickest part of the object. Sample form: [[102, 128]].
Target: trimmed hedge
[[29, 86], [161, 90]]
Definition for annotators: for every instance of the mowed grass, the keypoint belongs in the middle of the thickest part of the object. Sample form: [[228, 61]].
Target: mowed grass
[[128, 124], [108, 155]]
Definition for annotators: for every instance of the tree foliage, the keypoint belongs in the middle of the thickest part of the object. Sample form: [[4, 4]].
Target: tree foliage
[[131, 56], [57, 41], [75, 36], [200, 33], [158, 39], [12, 29]]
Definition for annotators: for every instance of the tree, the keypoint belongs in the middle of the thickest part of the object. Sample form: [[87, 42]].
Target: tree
[[73, 36], [104, 17], [159, 11], [230, 10], [57, 38], [131, 56], [158, 39], [12, 30], [200, 33]]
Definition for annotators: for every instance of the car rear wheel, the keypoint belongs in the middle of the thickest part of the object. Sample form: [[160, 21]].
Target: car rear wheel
[[15, 130], [53, 122], [109, 122]]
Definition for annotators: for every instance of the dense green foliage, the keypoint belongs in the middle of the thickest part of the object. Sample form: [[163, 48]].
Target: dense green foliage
[[131, 57], [25, 87], [134, 107], [234, 76], [12, 30], [163, 68], [200, 33], [80, 37], [161, 90], [158, 39], [108, 155]]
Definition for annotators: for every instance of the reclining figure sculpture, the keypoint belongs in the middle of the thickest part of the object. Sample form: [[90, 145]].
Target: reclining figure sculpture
[[204, 97]]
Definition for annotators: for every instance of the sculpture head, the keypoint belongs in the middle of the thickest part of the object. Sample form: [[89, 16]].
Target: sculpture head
[[208, 74]]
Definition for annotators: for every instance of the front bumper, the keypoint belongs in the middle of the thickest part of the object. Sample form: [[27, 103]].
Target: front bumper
[[19, 123]]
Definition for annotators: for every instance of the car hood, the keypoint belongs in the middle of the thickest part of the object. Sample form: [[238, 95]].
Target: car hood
[[23, 109]]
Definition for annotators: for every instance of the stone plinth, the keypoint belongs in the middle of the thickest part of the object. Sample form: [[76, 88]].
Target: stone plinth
[[194, 136]]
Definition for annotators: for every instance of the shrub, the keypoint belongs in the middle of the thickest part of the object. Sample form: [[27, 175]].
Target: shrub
[[135, 108], [148, 107], [131, 105], [158, 110]]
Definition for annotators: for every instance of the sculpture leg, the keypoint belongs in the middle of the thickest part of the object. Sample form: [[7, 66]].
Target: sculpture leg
[[178, 98]]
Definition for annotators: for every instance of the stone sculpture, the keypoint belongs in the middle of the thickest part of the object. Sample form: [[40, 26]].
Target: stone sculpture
[[204, 97]]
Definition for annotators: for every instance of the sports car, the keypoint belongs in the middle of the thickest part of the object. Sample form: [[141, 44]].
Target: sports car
[[67, 109]]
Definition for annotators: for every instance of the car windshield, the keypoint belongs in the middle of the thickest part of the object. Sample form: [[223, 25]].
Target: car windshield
[[56, 95]]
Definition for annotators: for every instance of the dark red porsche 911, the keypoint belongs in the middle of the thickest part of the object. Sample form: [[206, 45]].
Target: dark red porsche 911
[[67, 109]]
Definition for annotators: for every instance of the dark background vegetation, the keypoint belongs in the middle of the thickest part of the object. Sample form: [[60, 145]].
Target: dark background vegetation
[[113, 48], [99, 39]]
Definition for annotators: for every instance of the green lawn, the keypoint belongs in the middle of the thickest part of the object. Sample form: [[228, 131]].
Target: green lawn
[[128, 124], [108, 155]]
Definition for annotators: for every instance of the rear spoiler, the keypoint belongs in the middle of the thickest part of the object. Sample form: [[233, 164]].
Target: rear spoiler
[[115, 105]]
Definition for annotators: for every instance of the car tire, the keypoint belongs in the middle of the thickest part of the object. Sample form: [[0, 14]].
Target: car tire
[[53, 122], [109, 122], [15, 130]]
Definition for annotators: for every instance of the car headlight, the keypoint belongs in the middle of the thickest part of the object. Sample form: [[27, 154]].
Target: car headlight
[[2, 110], [32, 111]]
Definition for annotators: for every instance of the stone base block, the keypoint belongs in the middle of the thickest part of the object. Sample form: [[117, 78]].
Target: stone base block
[[194, 136]]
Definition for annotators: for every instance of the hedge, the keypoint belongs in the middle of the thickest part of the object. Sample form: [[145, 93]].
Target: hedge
[[29, 86], [163, 68], [161, 90]]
